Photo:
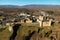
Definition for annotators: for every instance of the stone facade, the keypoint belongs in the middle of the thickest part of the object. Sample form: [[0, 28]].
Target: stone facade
[[28, 20], [47, 23], [41, 17], [43, 21]]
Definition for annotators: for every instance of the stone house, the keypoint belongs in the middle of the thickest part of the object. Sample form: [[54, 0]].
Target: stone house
[[9, 23], [40, 17], [40, 22], [22, 21], [47, 23], [27, 20], [22, 14], [44, 21]]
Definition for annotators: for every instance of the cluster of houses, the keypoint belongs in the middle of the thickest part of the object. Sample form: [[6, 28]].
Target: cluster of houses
[[43, 20], [5, 22]]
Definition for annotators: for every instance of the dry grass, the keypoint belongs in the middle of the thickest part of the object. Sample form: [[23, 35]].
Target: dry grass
[[25, 29], [5, 34]]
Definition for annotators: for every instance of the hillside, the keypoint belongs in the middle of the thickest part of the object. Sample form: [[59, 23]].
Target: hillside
[[27, 32]]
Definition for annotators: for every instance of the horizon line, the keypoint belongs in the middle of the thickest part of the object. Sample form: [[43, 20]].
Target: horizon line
[[30, 4]]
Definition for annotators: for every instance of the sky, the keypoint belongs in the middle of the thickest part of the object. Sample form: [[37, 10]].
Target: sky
[[28, 2]]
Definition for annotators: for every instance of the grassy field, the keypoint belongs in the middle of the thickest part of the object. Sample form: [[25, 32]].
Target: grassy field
[[5, 34], [25, 29]]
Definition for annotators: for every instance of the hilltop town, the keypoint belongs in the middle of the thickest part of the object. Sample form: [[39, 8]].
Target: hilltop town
[[43, 19], [28, 24]]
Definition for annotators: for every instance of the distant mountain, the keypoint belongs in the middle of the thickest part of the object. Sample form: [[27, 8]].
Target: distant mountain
[[30, 6], [9, 6], [41, 6]]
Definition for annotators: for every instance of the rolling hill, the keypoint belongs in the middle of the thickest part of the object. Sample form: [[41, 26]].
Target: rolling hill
[[30, 6]]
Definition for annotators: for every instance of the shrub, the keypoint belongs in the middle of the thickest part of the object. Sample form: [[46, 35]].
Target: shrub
[[50, 12], [48, 33], [1, 29]]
